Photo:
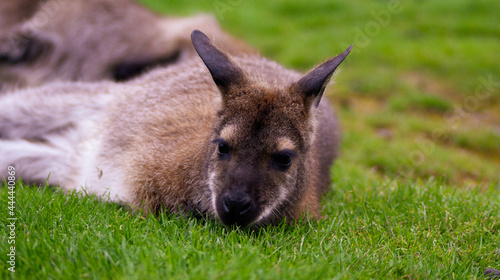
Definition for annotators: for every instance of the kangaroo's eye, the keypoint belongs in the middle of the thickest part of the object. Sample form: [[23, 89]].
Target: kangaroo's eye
[[283, 160], [223, 149]]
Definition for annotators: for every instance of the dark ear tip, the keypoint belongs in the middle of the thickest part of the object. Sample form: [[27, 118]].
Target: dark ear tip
[[339, 58], [347, 51], [195, 34], [198, 36], [350, 48]]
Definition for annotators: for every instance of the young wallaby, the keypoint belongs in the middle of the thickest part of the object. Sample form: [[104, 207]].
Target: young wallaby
[[247, 141], [91, 40]]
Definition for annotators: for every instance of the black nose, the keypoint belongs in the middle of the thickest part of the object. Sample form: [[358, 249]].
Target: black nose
[[236, 204]]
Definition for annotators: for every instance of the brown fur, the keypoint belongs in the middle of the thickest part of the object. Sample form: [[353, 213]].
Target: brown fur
[[90, 40], [246, 141], [171, 154], [13, 12]]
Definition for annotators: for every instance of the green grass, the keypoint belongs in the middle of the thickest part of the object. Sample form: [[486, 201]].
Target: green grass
[[416, 190], [378, 230]]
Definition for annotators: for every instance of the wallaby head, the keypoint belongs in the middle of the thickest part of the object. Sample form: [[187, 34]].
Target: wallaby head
[[260, 165]]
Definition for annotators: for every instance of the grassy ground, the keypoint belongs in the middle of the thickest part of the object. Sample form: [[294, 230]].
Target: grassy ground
[[393, 230], [416, 189]]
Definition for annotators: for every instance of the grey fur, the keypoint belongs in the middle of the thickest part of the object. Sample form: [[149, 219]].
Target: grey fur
[[90, 40]]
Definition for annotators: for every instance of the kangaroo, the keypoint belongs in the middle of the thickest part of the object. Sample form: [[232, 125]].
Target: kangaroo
[[238, 138], [91, 40]]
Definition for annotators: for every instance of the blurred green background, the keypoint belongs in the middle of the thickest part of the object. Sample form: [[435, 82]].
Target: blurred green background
[[419, 95]]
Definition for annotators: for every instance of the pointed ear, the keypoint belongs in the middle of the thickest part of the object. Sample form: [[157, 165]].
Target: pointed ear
[[313, 84], [224, 72]]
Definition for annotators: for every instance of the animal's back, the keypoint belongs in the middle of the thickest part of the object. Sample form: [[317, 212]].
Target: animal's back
[[42, 41]]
